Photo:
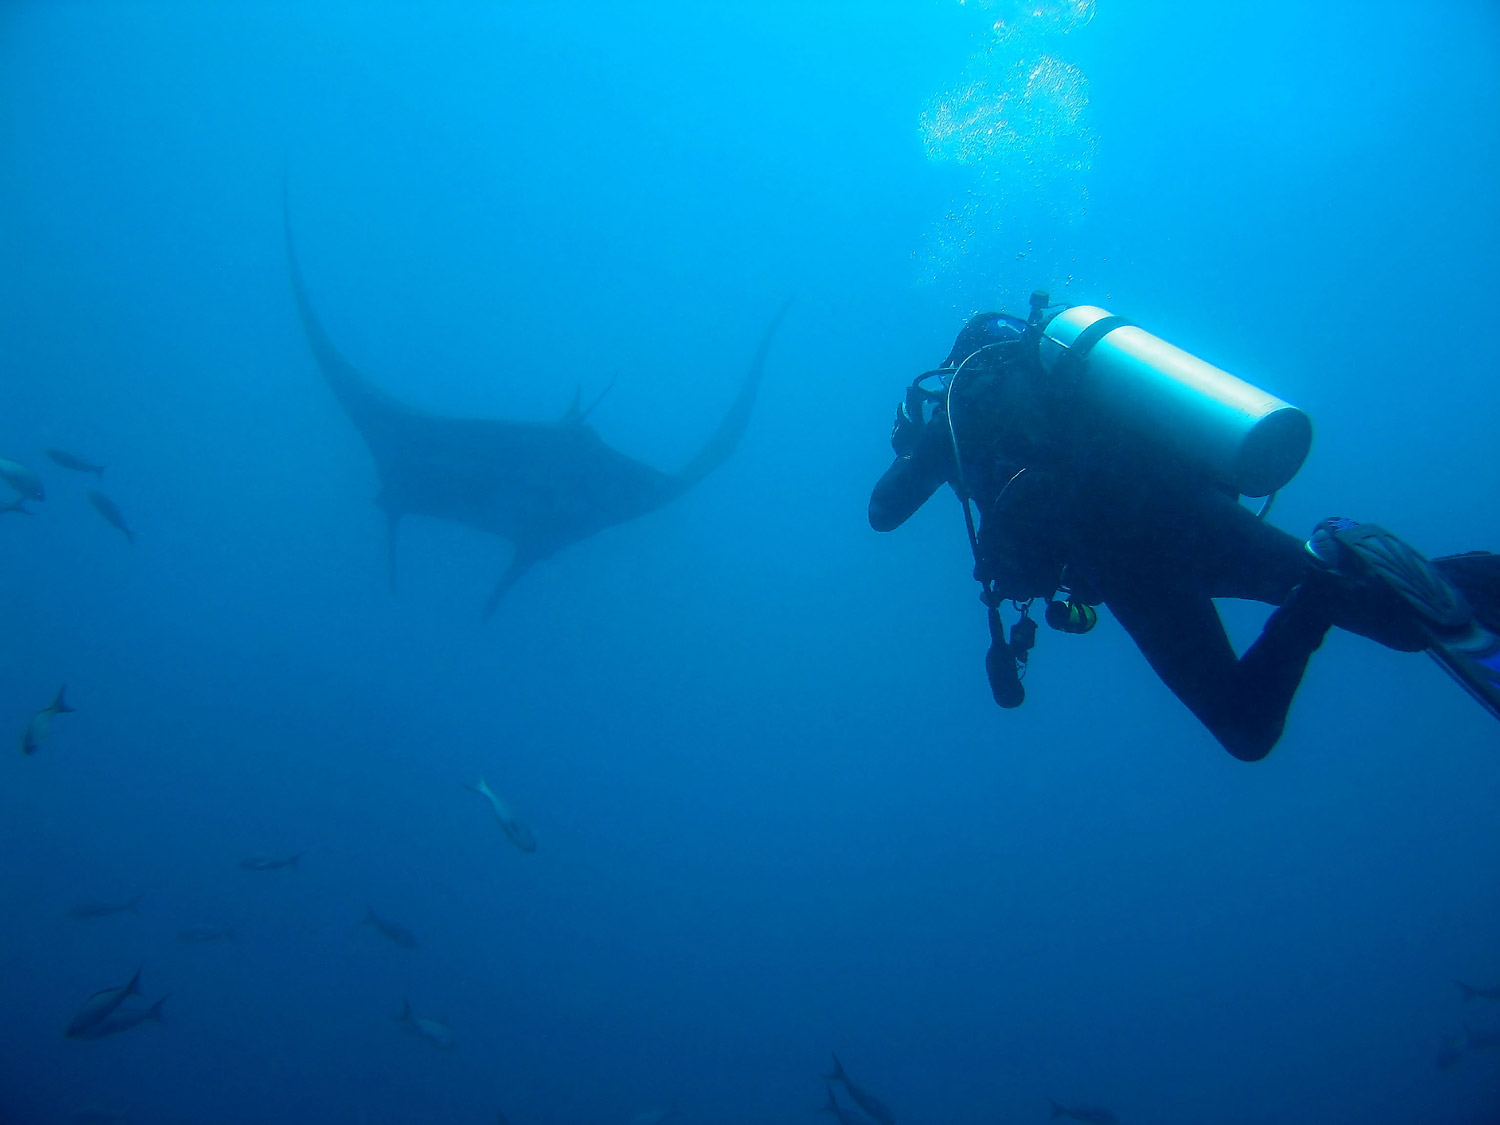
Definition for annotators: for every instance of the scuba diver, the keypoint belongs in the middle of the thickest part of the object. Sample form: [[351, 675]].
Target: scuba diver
[[1107, 468]]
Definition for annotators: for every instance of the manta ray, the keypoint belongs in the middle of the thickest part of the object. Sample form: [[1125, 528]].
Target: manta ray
[[542, 486]]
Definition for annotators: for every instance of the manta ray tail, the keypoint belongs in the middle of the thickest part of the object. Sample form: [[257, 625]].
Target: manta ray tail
[[392, 521], [736, 421]]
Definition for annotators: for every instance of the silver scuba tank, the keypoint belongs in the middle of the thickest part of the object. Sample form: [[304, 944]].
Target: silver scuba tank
[[1247, 440]]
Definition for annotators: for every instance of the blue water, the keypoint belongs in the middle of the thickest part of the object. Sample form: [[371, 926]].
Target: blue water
[[777, 813]]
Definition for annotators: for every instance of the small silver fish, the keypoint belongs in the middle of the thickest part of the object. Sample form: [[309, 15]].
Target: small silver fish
[[202, 935], [873, 1106], [40, 727], [518, 833], [1481, 1040], [22, 479], [1451, 1053], [1472, 993], [656, 1116], [1086, 1114], [840, 1114], [70, 461], [100, 1006], [106, 508], [434, 1031], [394, 931], [123, 1019], [1453, 1050], [269, 862], [99, 909]]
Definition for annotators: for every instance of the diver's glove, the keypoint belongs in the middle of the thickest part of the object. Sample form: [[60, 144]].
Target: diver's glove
[[911, 417], [904, 432], [907, 430]]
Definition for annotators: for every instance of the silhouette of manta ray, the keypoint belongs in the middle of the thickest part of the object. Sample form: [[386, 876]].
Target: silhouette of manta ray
[[543, 486]]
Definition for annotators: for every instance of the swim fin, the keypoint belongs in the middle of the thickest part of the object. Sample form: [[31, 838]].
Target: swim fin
[[1461, 643]]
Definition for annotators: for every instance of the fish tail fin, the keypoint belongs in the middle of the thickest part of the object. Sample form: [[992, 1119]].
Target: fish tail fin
[[481, 788], [404, 1016], [129, 536], [1452, 1052], [589, 409], [59, 705], [369, 918], [98, 471], [134, 987], [293, 861], [134, 904], [838, 1070], [831, 1105], [153, 1013], [1057, 1110], [1468, 990]]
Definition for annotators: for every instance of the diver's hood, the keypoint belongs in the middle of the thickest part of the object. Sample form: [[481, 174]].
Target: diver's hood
[[982, 330]]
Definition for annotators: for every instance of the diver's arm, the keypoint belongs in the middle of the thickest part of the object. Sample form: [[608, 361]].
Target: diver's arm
[[913, 476]]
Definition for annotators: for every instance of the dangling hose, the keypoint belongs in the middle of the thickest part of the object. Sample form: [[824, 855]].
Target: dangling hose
[[1005, 662], [961, 485]]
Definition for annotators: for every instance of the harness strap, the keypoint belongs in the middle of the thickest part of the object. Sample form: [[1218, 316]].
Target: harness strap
[[1070, 362]]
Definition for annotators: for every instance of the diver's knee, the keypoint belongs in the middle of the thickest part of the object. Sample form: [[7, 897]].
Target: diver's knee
[[885, 516], [1244, 727], [1248, 745]]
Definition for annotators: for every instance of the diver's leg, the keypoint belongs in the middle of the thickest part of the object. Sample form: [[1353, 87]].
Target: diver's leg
[[1472, 655], [1370, 583], [1453, 632], [1477, 575], [1259, 562], [1242, 702], [1159, 580], [1250, 558]]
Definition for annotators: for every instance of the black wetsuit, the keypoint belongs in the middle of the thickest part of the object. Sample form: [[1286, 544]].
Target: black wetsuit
[[1153, 540]]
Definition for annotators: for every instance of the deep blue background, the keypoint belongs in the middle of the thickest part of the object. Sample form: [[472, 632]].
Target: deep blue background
[[777, 812]]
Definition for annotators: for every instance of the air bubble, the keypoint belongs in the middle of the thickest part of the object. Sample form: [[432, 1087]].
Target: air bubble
[[1017, 124]]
